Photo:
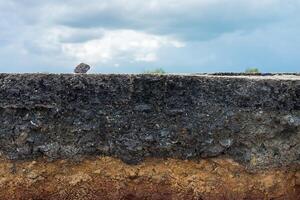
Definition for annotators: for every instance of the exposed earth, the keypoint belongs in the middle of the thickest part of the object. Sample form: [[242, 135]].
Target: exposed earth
[[109, 178], [93, 136]]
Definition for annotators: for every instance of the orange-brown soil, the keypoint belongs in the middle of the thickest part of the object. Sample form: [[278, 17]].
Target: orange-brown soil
[[109, 178]]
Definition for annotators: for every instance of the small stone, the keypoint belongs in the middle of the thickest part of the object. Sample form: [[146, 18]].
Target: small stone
[[174, 112], [291, 120], [3, 181], [33, 174], [226, 142], [22, 138], [82, 68], [149, 138], [142, 108], [209, 141], [34, 124], [31, 165], [98, 171]]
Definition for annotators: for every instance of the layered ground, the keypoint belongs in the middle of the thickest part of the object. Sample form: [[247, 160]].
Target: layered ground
[[79, 136], [109, 178]]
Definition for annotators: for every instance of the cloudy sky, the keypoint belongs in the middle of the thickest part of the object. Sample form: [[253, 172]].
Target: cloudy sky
[[130, 36]]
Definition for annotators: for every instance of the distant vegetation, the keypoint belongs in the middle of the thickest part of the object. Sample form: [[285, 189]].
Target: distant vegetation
[[155, 71], [252, 70]]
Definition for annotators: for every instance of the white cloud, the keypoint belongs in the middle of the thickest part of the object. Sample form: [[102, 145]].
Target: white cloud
[[126, 45], [58, 34], [150, 57]]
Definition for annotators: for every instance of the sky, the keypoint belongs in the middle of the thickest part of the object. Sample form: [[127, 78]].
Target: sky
[[132, 36]]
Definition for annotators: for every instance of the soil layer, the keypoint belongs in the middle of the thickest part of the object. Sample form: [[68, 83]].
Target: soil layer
[[254, 120], [110, 178]]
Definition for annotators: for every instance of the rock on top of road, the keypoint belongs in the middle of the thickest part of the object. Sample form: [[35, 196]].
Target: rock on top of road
[[82, 68]]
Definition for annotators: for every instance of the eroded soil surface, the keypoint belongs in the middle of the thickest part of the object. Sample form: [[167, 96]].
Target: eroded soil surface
[[110, 178]]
